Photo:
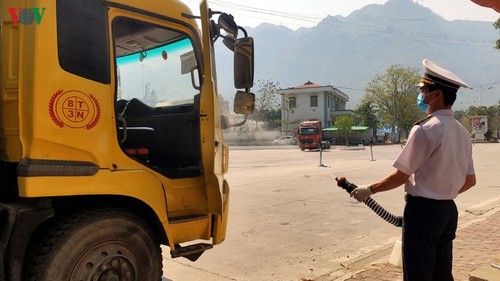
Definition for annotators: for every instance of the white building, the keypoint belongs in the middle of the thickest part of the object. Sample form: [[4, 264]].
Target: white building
[[310, 101]]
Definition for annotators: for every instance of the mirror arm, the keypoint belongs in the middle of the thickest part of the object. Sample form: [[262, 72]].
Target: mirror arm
[[244, 31], [212, 12], [190, 16], [237, 124]]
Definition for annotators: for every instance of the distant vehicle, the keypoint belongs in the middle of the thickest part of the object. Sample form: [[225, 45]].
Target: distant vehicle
[[311, 135], [285, 140]]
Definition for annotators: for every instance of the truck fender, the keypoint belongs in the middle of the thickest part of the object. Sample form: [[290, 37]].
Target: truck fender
[[17, 222]]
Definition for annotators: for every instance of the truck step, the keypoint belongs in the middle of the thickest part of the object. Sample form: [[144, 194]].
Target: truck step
[[187, 218], [191, 252]]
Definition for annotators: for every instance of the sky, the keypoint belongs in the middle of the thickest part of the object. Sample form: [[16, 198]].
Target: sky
[[295, 14], [307, 13]]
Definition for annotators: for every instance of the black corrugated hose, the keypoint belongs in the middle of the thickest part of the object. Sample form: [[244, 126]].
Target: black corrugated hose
[[379, 210]]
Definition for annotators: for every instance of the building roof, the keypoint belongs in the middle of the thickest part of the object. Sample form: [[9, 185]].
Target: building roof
[[309, 87], [353, 128], [308, 84]]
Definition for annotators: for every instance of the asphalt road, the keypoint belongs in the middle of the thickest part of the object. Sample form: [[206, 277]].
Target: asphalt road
[[289, 220]]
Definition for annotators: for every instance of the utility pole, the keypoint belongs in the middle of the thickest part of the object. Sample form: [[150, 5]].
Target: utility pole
[[481, 94], [393, 138]]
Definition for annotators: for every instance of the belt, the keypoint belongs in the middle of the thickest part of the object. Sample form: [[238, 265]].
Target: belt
[[409, 197]]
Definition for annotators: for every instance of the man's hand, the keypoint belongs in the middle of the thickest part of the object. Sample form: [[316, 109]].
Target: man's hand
[[361, 193]]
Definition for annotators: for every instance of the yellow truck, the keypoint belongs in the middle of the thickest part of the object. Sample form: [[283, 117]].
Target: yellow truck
[[111, 136]]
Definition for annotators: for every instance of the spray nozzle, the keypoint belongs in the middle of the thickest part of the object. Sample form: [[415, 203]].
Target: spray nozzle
[[344, 184], [372, 204]]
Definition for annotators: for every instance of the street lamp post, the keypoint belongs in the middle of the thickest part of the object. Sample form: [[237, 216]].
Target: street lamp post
[[481, 94]]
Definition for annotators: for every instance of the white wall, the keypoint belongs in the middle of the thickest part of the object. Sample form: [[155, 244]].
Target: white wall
[[303, 109]]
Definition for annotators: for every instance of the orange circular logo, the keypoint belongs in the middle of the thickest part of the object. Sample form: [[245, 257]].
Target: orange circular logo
[[74, 109]]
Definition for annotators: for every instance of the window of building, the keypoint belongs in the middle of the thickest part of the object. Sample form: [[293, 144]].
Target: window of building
[[330, 102], [314, 101], [292, 102]]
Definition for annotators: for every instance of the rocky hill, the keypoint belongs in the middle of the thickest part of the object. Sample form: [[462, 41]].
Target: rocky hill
[[347, 52]]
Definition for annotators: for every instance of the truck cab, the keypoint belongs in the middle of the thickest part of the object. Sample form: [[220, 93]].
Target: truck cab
[[310, 135], [110, 121]]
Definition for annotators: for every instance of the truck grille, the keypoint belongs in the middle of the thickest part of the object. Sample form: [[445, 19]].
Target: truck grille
[[306, 141]]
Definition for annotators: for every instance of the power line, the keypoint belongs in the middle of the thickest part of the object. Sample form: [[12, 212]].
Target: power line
[[288, 15], [490, 85], [374, 29]]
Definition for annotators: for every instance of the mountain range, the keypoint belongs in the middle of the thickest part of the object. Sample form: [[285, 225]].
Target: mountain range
[[348, 52]]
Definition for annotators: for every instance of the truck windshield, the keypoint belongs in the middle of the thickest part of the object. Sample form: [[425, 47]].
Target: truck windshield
[[154, 64], [308, 131]]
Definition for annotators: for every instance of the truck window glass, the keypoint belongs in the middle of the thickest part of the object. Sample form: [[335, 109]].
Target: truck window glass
[[308, 131], [82, 39], [154, 64], [156, 103]]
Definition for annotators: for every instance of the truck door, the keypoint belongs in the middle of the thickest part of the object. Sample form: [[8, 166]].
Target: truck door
[[214, 151], [157, 102], [166, 109]]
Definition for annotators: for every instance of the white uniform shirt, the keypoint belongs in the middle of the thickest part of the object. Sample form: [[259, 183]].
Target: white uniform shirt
[[437, 156]]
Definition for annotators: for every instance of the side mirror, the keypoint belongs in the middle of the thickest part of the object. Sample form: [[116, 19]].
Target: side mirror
[[244, 103], [229, 43], [227, 23], [243, 63]]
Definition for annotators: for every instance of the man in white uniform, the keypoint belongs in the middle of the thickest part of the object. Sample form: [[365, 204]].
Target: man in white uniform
[[435, 166]]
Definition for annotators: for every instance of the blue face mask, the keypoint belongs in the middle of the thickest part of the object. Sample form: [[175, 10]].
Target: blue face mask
[[424, 107]]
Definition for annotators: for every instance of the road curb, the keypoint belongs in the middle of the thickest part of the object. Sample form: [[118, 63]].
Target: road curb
[[381, 255], [357, 264], [487, 272]]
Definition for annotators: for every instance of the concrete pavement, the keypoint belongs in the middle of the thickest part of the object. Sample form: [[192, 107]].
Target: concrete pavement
[[476, 252], [288, 221]]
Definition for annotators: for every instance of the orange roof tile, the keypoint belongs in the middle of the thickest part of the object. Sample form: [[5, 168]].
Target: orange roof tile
[[308, 84]]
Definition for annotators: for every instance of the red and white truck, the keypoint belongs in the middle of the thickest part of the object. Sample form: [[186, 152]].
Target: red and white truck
[[310, 135]]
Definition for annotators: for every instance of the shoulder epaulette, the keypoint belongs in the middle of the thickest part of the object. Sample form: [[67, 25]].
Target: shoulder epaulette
[[422, 119]]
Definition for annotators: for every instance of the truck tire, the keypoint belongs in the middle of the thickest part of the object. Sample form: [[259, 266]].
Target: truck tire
[[102, 244]]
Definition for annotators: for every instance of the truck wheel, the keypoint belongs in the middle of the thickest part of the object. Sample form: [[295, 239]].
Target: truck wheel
[[102, 244]]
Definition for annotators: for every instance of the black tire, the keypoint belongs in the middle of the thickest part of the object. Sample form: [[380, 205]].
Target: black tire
[[102, 244]]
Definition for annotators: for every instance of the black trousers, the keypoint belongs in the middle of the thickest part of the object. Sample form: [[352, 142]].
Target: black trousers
[[429, 228]]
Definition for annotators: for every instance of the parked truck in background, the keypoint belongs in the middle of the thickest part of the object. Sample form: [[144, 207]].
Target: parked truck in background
[[310, 135], [111, 138]]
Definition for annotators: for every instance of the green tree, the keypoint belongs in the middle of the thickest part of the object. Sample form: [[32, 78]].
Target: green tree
[[367, 115], [344, 123], [273, 118], [267, 104], [394, 94]]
